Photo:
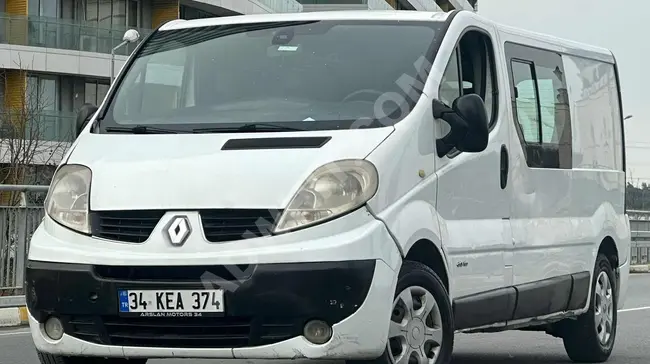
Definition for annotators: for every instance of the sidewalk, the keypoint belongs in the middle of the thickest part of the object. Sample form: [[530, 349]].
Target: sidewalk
[[644, 268]]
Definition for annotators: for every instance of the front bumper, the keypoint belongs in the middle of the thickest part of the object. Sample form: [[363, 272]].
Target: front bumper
[[264, 313]]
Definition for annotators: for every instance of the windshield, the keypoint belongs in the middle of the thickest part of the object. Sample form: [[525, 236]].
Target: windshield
[[311, 75]]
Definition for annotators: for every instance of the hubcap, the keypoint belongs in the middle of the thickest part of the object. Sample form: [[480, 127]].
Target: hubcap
[[415, 335], [604, 310]]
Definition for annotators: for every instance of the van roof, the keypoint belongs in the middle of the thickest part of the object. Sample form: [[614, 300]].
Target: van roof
[[312, 15], [391, 15], [552, 40]]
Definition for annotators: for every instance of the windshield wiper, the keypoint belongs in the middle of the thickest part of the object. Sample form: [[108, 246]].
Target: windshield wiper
[[140, 129], [252, 127]]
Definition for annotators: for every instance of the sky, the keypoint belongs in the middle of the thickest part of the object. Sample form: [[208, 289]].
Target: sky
[[621, 28]]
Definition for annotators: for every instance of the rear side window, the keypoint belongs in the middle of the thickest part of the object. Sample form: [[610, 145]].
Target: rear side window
[[541, 106], [597, 127], [526, 100]]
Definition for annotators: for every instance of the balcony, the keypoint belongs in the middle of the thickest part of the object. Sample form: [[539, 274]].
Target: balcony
[[56, 126], [46, 127], [58, 33]]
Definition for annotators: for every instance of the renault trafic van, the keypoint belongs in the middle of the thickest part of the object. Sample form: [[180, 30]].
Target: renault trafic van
[[339, 185]]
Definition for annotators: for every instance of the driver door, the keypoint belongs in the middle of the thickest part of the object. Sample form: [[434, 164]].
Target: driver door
[[473, 190]]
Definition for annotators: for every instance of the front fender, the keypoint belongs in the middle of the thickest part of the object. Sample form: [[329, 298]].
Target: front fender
[[412, 218]]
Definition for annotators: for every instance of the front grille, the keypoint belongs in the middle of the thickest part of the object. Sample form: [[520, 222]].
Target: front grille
[[128, 226], [217, 332], [219, 225], [229, 224]]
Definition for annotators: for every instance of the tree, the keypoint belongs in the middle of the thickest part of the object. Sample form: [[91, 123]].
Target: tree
[[32, 142], [637, 197], [32, 137]]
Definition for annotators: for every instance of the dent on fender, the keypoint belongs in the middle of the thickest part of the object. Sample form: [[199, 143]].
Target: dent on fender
[[411, 223]]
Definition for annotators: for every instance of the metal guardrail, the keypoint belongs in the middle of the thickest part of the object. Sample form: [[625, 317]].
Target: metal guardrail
[[640, 246], [18, 223]]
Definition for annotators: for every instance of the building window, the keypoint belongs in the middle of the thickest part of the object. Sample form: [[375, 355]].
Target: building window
[[42, 118], [42, 27], [108, 20], [189, 13], [445, 5], [108, 13], [134, 14], [95, 91], [45, 8], [402, 5], [42, 93]]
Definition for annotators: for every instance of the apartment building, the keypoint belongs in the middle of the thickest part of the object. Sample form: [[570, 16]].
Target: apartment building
[[55, 56]]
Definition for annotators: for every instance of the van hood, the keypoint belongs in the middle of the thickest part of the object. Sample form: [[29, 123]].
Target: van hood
[[191, 171]]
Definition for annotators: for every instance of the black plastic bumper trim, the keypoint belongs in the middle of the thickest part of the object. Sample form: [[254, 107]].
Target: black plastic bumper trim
[[270, 304]]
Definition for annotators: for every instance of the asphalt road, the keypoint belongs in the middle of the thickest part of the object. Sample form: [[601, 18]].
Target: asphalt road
[[504, 348]]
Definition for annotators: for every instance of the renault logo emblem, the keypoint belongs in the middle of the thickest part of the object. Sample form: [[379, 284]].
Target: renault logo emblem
[[178, 230]]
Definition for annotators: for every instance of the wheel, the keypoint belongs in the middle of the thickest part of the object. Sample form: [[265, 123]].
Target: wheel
[[58, 359], [590, 338], [421, 324]]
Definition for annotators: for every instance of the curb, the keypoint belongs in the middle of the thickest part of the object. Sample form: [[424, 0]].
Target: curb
[[13, 316], [640, 268]]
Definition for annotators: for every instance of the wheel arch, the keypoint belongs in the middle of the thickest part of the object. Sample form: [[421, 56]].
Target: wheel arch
[[610, 250], [426, 252]]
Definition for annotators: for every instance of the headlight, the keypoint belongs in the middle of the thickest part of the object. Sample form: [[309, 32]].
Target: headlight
[[332, 190], [68, 197]]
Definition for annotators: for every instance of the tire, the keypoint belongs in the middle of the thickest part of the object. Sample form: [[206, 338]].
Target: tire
[[418, 279], [583, 341], [58, 359]]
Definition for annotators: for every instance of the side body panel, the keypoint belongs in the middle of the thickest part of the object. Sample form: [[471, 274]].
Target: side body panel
[[568, 196], [473, 207], [406, 198]]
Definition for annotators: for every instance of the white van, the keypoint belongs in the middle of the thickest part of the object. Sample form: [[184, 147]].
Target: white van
[[337, 185]]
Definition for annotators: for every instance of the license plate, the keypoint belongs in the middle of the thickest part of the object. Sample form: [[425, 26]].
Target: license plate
[[171, 303]]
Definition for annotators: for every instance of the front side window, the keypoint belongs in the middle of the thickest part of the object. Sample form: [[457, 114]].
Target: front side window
[[312, 75], [450, 86]]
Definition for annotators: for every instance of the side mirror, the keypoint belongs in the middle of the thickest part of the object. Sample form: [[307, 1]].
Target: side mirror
[[468, 120], [85, 114]]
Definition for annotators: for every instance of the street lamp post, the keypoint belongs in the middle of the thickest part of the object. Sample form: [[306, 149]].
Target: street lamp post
[[130, 36]]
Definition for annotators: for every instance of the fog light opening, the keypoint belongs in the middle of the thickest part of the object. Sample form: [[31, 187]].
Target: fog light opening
[[54, 328], [318, 332]]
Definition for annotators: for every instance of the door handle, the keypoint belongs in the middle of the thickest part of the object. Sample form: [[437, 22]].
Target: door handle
[[504, 166]]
